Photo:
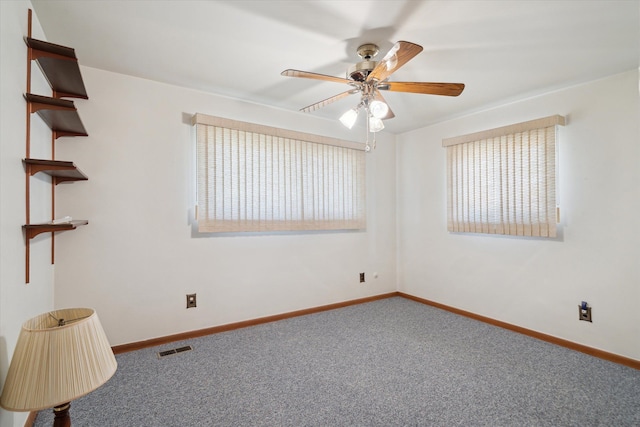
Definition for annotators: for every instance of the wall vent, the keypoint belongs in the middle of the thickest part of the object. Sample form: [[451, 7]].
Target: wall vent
[[174, 351]]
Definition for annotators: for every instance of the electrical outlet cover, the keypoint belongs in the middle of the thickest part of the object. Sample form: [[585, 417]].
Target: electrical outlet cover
[[191, 300], [584, 314]]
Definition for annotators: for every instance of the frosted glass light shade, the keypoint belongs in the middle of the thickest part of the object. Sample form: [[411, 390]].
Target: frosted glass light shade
[[349, 118], [375, 124], [53, 364], [379, 109]]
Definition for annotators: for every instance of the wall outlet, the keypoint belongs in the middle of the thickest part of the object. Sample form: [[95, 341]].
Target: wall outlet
[[361, 277], [584, 312], [191, 300]]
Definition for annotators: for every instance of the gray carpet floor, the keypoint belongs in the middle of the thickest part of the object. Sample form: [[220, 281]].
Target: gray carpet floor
[[392, 362]]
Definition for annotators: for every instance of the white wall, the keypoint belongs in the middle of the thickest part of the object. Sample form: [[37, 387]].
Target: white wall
[[138, 257], [19, 301], [537, 283]]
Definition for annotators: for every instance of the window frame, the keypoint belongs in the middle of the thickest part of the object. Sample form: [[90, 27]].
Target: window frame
[[503, 180], [314, 182]]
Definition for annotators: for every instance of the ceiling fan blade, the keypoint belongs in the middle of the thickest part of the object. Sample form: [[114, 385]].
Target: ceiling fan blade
[[399, 55], [315, 76], [446, 89], [323, 103], [378, 97]]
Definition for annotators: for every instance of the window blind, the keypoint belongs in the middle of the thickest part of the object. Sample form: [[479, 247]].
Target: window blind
[[503, 181], [258, 178]]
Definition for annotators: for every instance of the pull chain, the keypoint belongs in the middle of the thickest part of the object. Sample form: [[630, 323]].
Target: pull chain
[[367, 147]]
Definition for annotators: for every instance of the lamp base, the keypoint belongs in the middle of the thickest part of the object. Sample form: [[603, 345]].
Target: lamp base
[[62, 418]]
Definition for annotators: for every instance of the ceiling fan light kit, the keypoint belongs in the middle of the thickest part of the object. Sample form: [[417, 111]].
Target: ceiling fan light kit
[[349, 117], [375, 124], [369, 77], [379, 109]]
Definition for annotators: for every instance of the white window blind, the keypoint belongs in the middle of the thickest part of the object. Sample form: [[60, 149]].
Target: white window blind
[[258, 178], [503, 181]]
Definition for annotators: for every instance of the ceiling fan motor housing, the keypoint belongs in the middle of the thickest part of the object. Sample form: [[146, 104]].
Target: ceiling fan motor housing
[[361, 70]]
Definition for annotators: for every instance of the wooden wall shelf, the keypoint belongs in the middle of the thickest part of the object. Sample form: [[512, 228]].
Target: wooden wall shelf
[[60, 68], [60, 115], [61, 171], [60, 65], [32, 230]]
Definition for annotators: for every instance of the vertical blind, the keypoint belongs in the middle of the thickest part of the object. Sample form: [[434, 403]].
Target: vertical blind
[[259, 178], [503, 181]]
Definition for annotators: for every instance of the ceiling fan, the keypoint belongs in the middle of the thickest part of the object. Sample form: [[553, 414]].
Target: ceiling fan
[[369, 77]]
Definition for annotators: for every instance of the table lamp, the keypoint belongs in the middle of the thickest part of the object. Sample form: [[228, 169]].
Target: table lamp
[[60, 356]]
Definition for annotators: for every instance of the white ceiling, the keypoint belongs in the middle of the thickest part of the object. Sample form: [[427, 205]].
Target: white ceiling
[[502, 50]]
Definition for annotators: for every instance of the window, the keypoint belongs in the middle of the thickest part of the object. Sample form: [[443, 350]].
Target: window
[[259, 178], [502, 181]]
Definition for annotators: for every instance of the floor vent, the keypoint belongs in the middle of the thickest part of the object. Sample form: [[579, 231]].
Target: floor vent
[[174, 351]]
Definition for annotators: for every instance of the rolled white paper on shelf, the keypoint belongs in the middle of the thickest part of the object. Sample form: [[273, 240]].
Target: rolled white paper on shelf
[[63, 220]]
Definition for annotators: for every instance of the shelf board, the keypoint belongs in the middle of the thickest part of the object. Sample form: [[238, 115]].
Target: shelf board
[[59, 114], [32, 230], [59, 64], [61, 171]]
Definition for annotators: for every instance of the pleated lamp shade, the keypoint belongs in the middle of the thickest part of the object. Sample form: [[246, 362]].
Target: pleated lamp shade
[[56, 361]]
